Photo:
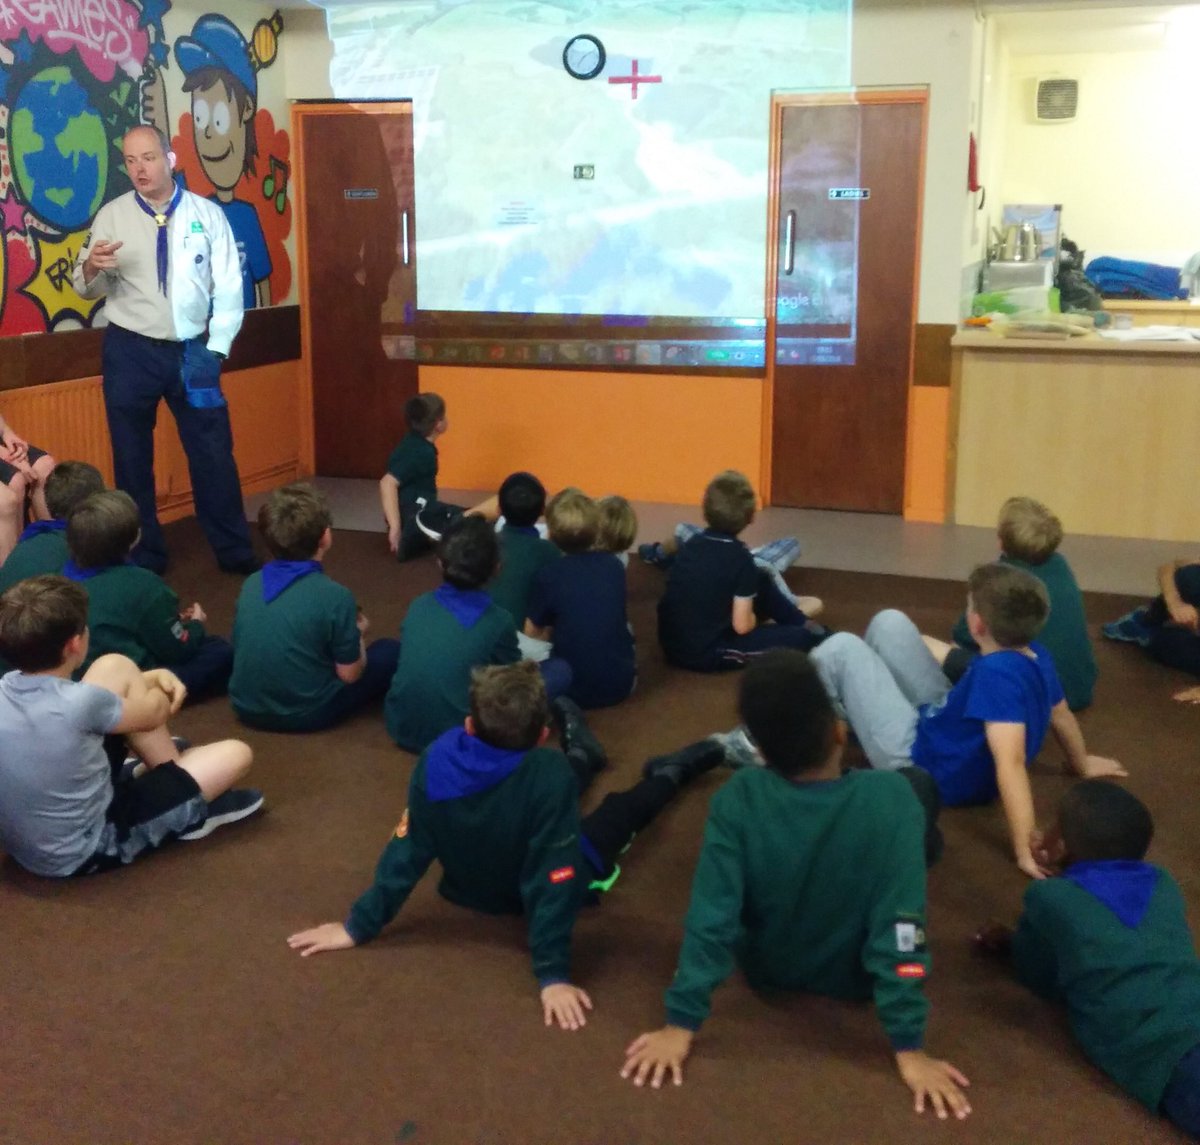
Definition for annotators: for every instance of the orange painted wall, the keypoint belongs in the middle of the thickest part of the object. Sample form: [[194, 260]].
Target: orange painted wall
[[925, 497], [651, 437]]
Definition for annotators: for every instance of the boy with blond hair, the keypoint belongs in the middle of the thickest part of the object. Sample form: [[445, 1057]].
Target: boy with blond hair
[[1030, 535], [66, 805], [719, 609], [578, 604], [618, 527]]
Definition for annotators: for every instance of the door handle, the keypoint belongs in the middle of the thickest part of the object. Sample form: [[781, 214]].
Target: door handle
[[789, 243], [404, 237]]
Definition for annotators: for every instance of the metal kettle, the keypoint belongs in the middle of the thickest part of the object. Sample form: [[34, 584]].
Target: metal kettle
[[1017, 242]]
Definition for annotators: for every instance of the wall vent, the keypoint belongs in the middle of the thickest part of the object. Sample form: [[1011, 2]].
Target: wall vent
[[1057, 100]]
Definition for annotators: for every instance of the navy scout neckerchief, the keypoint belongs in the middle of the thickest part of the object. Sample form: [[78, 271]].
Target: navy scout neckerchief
[[279, 576], [37, 528], [161, 218]]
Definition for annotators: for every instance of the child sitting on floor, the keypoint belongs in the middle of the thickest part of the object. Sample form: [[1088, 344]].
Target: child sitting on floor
[[1029, 538], [448, 632], [66, 807], [131, 610], [718, 603], [578, 604], [978, 736], [43, 545], [617, 528], [301, 662], [1110, 939], [500, 812], [810, 880]]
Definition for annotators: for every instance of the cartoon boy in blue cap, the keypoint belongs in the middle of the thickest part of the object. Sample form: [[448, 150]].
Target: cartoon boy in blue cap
[[215, 61]]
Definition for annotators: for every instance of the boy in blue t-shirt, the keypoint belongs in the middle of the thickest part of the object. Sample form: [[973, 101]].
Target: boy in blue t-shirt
[[578, 603], [1109, 938], [300, 658], [977, 737]]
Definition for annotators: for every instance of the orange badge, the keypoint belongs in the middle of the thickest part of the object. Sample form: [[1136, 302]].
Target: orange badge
[[402, 826], [910, 970], [562, 874]]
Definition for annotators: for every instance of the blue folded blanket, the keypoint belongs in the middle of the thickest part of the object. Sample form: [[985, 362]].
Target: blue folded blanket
[[1124, 278]]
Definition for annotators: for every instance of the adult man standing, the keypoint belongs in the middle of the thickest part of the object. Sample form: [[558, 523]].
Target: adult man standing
[[167, 263]]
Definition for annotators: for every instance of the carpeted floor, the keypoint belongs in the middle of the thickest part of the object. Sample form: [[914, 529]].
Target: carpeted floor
[[160, 1004]]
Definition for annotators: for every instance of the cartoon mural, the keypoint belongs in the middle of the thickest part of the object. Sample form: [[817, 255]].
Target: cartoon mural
[[75, 75]]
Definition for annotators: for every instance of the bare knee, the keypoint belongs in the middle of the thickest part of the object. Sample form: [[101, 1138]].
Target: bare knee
[[114, 672], [217, 767]]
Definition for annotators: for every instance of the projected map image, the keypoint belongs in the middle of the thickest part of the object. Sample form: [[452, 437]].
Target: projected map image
[[639, 191]]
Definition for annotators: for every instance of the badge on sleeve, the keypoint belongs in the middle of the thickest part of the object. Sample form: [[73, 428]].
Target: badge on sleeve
[[180, 632], [402, 826], [910, 935], [910, 970], [562, 875]]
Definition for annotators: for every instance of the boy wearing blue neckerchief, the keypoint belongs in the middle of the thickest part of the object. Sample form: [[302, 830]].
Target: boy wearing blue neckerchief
[[448, 632], [524, 552], [42, 547], [500, 812], [131, 610], [1110, 939], [301, 661]]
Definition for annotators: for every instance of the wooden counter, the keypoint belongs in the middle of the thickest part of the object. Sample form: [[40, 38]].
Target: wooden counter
[[1146, 313], [1106, 433]]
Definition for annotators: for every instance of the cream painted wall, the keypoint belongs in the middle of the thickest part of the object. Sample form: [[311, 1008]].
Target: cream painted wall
[[307, 52], [1126, 169], [934, 44]]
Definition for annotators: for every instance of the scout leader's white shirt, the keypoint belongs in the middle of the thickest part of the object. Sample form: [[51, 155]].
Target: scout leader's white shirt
[[202, 267]]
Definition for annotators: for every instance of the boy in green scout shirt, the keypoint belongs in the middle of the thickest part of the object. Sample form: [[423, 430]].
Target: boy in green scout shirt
[[500, 812], [1109, 938], [43, 545], [448, 632], [523, 550], [131, 610], [301, 662], [410, 482], [811, 880]]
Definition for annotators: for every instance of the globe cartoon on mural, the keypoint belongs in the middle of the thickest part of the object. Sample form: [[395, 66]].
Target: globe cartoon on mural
[[59, 149]]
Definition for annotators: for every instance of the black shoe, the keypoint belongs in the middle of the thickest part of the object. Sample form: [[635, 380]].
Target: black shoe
[[244, 567], [683, 766], [576, 737], [239, 803]]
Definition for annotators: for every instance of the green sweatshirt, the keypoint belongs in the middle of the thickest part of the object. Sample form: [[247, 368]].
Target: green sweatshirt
[[811, 886], [1132, 992], [134, 612], [1065, 632], [510, 849], [45, 553]]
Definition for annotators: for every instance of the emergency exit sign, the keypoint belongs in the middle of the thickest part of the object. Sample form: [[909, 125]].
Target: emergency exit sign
[[849, 192]]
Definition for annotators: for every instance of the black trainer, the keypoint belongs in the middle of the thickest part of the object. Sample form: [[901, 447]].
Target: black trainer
[[576, 737], [229, 807], [683, 766]]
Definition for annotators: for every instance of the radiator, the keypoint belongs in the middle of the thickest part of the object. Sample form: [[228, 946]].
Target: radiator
[[63, 418]]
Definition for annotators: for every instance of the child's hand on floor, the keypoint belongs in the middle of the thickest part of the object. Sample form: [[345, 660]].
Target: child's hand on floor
[[1030, 866], [193, 612], [393, 539], [328, 936], [653, 1054], [937, 1081], [1188, 695], [1097, 766], [564, 1004]]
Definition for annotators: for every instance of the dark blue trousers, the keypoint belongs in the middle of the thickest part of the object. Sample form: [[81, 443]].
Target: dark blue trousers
[[207, 672], [789, 630], [140, 372], [1171, 645]]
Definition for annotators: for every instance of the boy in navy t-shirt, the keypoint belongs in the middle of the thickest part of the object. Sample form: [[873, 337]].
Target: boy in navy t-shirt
[[578, 604], [975, 738]]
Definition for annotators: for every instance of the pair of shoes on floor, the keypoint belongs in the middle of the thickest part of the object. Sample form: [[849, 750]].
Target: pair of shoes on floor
[[652, 554], [738, 748], [228, 807], [574, 734], [1130, 628], [682, 766]]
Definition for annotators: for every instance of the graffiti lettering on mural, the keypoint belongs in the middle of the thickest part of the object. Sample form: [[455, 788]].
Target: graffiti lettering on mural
[[51, 286], [75, 76], [105, 36]]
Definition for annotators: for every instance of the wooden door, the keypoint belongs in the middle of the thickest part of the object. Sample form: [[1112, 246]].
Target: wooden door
[[843, 285], [358, 279]]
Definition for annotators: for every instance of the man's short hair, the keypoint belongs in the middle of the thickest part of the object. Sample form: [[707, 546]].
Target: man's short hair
[[239, 95], [1028, 531], [423, 412], [469, 552], [522, 499], [509, 706], [70, 484], [618, 524], [1099, 820], [102, 529], [787, 712], [573, 520], [1012, 603], [160, 136], [729, 502], [293, 520], [37, 618]]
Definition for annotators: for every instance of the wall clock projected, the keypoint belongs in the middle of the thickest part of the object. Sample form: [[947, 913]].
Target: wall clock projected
[[584, 57]]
